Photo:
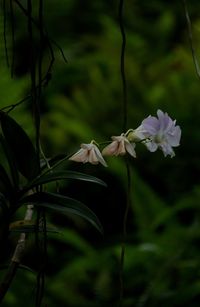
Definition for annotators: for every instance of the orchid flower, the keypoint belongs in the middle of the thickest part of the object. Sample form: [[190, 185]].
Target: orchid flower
[[160, 132], [119, 146], [88, 153]]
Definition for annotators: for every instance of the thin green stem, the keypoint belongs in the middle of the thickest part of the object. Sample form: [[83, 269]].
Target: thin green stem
[[189, 25], [122, 63], [4, 32], [128, 172], [124, 231], [12, 17]]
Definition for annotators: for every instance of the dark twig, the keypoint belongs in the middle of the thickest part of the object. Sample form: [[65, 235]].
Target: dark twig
[[41, 213], [47, 38], [189, 25], [60, 49], [128, 171], [122, 64], [12, 18], [4, 32], [13, 106]]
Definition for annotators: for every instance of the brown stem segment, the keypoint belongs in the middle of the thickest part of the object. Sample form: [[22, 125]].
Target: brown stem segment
[[16, 259]]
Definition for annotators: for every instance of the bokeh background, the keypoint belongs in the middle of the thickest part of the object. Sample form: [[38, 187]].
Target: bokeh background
[[83, 101]]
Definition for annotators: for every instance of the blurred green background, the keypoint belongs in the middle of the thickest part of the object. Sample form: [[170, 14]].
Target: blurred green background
[[83, 101]]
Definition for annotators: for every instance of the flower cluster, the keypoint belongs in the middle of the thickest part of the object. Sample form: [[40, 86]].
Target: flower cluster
[[159, 132]]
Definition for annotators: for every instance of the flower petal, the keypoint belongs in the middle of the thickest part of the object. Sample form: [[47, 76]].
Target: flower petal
[[92, 158], [80, 156], [111, 149], [174, 137], [137, 134], [165, 122], [162, 132], [88, 153], [99, 156], [167, 150], [121, 148], [150, 125], [152, 146], [130, 147]]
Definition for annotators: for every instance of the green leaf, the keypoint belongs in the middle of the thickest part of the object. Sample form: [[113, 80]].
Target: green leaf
[[63, 204], [53, 175], [5, 184], [3, 205], [74, 239], [4, 218], [52, 161], [21, 147], [11, 161], [27, 268], [21, 266]]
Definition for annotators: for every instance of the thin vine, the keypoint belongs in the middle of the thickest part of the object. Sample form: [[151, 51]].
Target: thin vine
[[12, 22], [189, 26], [4, 32], [128, 170]]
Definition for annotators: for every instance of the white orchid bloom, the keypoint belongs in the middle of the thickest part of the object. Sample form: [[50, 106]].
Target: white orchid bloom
[[119, 146], [88, 153]]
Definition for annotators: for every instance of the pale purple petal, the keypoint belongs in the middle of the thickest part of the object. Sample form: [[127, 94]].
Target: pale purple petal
[[167, 150], [162, 131], [151, 146], [150, 125], [165, 121], [174, 137]]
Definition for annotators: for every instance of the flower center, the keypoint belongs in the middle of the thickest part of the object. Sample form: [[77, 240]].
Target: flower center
[[159, 138]]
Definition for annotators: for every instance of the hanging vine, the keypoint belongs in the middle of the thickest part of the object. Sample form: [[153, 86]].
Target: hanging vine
[[128, 169]]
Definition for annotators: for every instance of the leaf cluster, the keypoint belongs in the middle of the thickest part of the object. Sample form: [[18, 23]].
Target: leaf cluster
[[23, 161]]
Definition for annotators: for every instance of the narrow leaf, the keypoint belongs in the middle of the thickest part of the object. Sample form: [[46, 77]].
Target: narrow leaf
[[52, 161], [21, 147], [59, 175], [3, 205], [27, 268], [21, 266], [63, 204], [11, 161], [5, 184]]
